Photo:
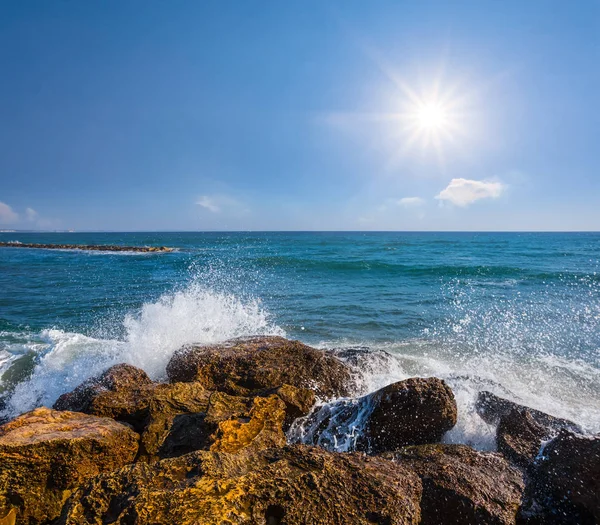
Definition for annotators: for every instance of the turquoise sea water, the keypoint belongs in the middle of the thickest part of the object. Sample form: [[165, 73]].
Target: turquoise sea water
[[515, 313]]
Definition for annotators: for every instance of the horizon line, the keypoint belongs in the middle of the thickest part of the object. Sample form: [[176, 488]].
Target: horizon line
[[299, 231]]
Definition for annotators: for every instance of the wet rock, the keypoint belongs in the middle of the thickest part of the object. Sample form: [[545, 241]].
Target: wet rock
[[463, 486], [491, 408], [519, 437], [277, 486], [298, 402], [3, 419], [567, 479], [365, 362], [187, 433], [45, 454], [247, 366], [118, 378], [411, 412]]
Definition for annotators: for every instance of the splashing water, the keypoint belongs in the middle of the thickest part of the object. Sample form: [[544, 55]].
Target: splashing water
[[192, 315], [515, 314], [335, 425], [195, 315]]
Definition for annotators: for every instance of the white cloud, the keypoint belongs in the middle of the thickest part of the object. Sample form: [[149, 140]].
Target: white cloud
[[462, 192], [410, 202], [209, 203], [31, 214], [7, 214]]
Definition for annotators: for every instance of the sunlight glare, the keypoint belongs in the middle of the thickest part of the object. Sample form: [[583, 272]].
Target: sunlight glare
[[431, 117]]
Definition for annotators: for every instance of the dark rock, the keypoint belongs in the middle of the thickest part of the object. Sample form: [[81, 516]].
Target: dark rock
[[118, 378], [248, 366], [463, 486], [519, 437], [491, 408], [567, 479], [45, 454], [3, 419], [411, 412], [91, 247], [289, 485], [187, 433]]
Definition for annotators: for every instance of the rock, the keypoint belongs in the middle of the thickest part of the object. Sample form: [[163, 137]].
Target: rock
[[125, 393], [140, 406], [248, 366], [289, 485], [3, 418], [262, 430], [411, 412], [187, 433], [178, 418], [165, 403], [118, 378], [230, 424], [298, 402], [491, 408], [45, 454], [92, 247], [519, 437], [463, 486], [10, 518], [365, 362], [567, 479]]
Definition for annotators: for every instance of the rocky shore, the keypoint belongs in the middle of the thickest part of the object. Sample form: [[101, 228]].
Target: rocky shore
[[218, 444], [89, 247]]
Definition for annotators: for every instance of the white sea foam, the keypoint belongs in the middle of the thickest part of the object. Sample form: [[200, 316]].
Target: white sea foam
[[193, 315], [539, 382], [470, 362]]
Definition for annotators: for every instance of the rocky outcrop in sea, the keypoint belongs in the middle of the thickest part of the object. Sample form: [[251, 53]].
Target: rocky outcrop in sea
[[262, 431], [87, 247]]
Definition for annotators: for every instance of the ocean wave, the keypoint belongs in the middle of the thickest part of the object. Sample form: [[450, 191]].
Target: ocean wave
[[575, 397], [446, 271], [496, 348], [60, 360]]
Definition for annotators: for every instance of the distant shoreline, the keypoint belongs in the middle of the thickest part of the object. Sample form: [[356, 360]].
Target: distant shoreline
[[89, 247]]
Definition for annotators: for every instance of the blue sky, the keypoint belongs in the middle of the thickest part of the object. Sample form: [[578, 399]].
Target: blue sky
[[300, 115]]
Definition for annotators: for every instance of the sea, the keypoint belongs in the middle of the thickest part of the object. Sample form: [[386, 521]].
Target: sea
[[517, 314]]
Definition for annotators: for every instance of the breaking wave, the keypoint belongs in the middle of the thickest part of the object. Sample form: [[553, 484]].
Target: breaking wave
[[37, 368]]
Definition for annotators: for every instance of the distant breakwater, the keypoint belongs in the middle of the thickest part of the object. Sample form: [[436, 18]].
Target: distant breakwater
[[90, 247]]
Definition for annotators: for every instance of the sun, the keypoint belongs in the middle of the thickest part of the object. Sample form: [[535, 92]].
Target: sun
[[431, 116], [431, 121]]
